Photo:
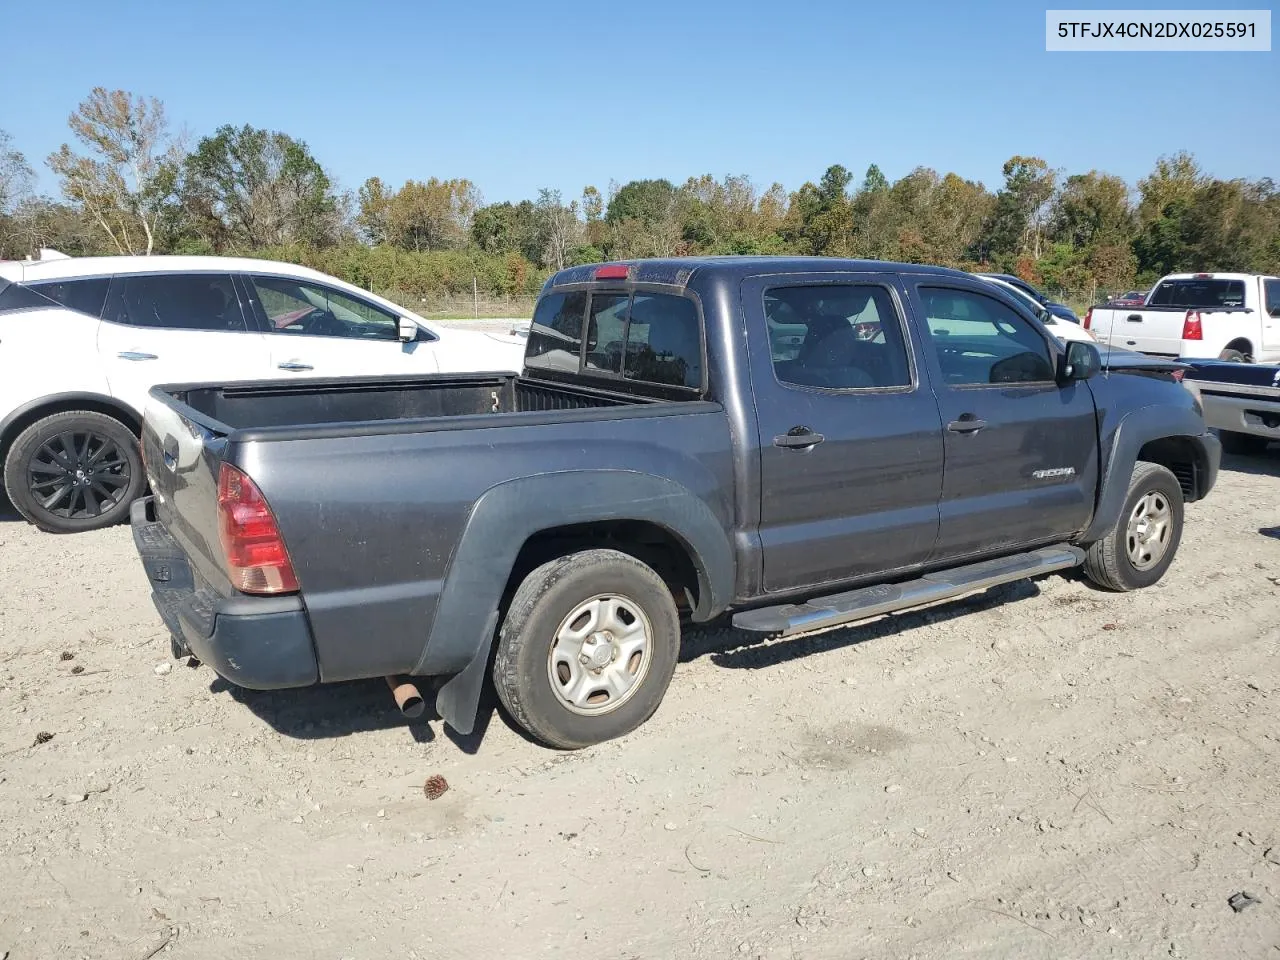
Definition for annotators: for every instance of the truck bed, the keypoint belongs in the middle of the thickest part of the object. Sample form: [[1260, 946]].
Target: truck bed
[[310, 403], [374, 502]]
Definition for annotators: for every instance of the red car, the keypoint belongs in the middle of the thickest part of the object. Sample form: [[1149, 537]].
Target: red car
[[1134, 298]]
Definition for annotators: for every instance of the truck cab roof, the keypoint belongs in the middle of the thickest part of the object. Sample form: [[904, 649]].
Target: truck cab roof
[[678, 271]]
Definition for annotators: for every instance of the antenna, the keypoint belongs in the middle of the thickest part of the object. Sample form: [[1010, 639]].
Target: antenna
[[1111, 335]]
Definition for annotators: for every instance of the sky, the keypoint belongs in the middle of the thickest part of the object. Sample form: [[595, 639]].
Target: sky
[[517, 95]]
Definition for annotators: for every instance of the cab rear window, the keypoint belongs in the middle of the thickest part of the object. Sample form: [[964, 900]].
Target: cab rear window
[[653, 338], [1199, 294], [555, 336]]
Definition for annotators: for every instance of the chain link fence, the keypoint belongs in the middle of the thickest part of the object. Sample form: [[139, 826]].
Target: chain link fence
[[448, 306]]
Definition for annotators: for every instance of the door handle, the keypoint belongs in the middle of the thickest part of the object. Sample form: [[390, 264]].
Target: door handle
[[798, 438], [294, 365], [1134, 318], [135, 355], [967, 423]]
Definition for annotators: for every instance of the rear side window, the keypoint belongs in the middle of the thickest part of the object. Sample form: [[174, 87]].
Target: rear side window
[[193, 301], [555, 336], [83, 296], [1199, 294], [837, 337], [14, 296], [646, 337], [1273, 297]]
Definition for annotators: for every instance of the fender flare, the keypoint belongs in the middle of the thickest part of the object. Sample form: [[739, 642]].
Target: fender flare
[[1134, 431], [506, 516]]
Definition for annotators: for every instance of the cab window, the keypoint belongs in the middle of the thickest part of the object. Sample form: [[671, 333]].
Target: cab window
[[837, 337], [979, 340]]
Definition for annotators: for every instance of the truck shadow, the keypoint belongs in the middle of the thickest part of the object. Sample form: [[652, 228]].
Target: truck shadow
[[739, 650], [346, 709], [1265, 464], [365, 706]]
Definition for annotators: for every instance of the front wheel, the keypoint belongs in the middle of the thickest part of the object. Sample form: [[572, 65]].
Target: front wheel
[[1142, 545], [74, 471], [587, 649]]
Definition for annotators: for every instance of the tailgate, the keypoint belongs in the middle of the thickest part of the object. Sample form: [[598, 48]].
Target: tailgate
[[1148, 331], [182, 453]]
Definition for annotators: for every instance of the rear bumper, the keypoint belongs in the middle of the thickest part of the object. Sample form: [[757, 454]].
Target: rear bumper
[[1256, 416], [263, 643]]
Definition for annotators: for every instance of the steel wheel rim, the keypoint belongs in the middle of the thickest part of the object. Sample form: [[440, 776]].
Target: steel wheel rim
[[1149, 530], [78, 475], [600, 654]]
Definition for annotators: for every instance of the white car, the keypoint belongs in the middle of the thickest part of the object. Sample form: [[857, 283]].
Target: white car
[[83, 340], [1062, 329]]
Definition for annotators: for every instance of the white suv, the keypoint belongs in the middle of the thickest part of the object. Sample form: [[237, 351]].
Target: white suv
[[82, 341]]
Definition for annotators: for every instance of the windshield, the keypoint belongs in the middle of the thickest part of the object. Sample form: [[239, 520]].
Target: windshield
[[1199, 293]]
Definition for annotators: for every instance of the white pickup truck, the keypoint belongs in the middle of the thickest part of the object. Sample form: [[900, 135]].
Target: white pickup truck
[[1202, 316]]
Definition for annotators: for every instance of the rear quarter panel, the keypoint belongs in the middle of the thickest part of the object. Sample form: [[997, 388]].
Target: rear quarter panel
[[372, 522], [182, 458], [1221, 329], [48, 352]]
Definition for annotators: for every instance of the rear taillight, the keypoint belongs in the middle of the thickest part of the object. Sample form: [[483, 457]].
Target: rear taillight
[[257, 561], [1191, 329], [1088, 319]]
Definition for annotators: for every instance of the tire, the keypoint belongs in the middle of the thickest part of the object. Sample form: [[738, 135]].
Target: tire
[[538, 669], [1242, 444], [41, 486], [1110, 563], [1235, 356]]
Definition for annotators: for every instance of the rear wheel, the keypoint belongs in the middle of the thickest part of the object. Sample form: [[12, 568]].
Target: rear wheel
[[1138, 551], [74, 471], [1244, 444], [587, 649], [1235, 356]]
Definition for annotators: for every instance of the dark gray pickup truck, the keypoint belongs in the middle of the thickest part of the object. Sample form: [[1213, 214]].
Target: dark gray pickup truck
[[799, 442]]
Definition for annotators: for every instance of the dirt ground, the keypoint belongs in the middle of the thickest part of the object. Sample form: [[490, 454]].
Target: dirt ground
[[1043, 771]]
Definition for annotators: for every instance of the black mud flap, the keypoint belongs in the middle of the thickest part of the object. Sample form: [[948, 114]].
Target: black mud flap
[[458, 701]]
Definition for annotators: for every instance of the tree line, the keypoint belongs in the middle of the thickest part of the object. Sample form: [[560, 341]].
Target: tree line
[[131, 185]]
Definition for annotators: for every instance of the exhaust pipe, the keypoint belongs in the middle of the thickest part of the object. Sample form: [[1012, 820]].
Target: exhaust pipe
[[408, 699]]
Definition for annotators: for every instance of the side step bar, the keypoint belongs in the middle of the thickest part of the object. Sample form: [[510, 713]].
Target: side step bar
[[820, 613]]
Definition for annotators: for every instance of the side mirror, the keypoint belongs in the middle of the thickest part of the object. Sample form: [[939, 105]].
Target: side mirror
[[407, 330], [1080, 362]]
